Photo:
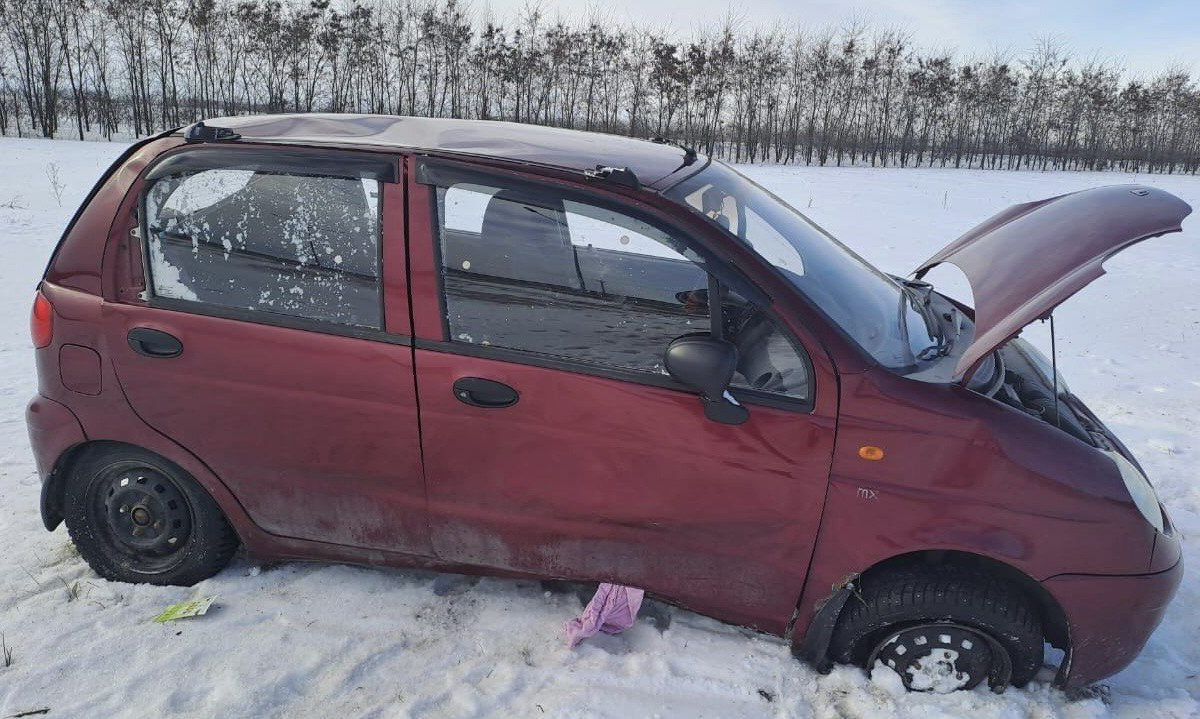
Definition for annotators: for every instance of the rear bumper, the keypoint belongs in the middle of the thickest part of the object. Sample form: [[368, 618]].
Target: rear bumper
[[1110, 618], [53, 429]]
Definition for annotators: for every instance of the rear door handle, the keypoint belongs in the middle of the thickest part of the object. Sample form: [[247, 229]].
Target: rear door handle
[[479, 392], [154, 343]]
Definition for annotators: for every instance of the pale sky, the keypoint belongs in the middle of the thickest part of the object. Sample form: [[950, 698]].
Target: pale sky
[[1144, 36]]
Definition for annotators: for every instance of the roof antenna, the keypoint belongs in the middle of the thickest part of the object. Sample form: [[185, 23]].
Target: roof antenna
[[200, 132], [689, 153], [1054, 370]]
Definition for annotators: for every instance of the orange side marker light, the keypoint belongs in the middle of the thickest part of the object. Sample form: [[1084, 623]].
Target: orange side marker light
[[870, 453]]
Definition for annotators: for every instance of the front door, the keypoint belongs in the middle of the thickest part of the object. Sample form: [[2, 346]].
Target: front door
[[554, 442], [266, 345]]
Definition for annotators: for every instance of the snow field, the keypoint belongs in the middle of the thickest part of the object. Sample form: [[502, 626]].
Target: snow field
[[299, 639]]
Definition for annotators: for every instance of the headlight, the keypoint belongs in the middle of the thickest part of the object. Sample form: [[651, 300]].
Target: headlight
[[1140, 490]]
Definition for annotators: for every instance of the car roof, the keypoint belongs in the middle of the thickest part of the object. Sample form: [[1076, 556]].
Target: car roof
[[654, 163]]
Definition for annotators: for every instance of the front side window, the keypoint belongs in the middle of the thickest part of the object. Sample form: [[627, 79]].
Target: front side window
[[532, 270], [304, 246]]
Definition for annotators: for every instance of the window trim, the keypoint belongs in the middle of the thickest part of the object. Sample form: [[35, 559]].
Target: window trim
[[287, 159], [591, 369], [276, 319], [466, 174], [337, 164]]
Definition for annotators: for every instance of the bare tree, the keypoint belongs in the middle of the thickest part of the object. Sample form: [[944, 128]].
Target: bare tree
[[817, 96]]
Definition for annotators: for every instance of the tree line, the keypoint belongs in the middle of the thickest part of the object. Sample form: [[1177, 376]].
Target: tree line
[[854, 95]]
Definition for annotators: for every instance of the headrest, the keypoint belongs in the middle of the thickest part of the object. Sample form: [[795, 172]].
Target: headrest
[[509, 218], [712, 200]]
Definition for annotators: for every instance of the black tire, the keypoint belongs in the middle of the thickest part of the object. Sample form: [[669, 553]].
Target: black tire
[[136, 517], [940, 595]]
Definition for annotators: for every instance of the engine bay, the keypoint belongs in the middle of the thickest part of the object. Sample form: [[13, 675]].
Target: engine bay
[[1023, 378]]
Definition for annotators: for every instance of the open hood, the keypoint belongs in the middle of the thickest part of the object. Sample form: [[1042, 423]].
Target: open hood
[[1025, 261]]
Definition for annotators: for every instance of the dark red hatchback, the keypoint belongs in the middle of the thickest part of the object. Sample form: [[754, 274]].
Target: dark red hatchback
[[507, 349]]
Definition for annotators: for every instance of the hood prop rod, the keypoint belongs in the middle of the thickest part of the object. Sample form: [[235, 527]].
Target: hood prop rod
[[1054, 370]]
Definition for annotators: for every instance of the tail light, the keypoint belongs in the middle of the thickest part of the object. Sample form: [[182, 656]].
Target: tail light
[[41, 324]]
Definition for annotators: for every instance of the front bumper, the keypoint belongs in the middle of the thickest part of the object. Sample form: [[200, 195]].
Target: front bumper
[[1109, 619]]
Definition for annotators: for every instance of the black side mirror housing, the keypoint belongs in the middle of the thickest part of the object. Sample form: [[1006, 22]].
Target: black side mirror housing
[[706, 365]]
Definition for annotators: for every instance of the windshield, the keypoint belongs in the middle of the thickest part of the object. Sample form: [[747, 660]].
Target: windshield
[[880, 314]]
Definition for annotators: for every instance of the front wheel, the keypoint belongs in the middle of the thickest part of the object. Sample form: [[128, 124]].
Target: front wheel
[[941, 628], [137, 518]]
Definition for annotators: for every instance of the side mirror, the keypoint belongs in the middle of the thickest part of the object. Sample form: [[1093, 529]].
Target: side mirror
[[707, 365]]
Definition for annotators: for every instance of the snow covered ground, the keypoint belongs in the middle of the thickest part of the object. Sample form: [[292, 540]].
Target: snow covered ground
[[324, 640]]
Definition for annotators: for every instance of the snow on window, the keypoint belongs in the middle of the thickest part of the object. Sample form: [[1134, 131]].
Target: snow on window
[[166, 275], [298, 245], [206, 188]]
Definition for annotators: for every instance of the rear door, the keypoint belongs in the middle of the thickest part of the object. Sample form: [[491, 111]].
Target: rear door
[[272, 338], [554, 442]]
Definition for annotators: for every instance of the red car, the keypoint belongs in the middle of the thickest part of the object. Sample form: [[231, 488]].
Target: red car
[[496, 348]]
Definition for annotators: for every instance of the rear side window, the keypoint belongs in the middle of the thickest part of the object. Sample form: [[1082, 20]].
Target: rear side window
[[300, 245]]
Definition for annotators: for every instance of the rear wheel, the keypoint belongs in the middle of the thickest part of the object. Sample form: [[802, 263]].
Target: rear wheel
[[941, 628], [136, 517]]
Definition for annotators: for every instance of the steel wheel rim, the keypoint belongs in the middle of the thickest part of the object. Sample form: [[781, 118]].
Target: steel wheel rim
[[142, 516], [939, 657]]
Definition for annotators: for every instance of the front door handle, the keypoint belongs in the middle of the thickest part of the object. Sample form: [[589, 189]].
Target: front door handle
[[154, 343], [479, 392]]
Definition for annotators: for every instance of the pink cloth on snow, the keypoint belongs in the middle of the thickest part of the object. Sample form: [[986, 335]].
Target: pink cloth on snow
[[612, 610]]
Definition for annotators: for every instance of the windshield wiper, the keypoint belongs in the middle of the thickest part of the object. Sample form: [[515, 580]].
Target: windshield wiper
[[922, 295]]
